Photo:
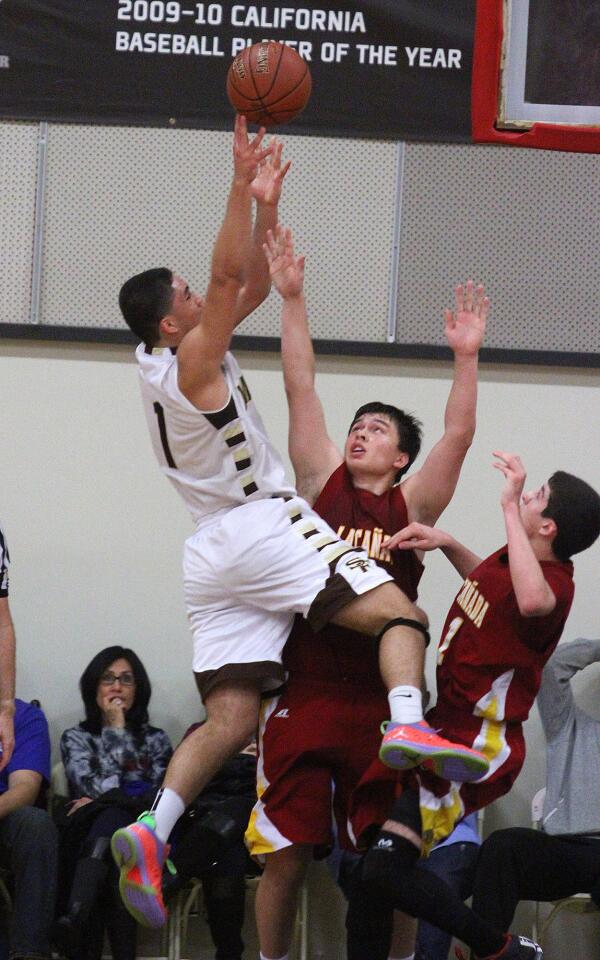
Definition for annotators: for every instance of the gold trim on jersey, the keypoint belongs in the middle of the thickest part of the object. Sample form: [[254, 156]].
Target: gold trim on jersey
[[369, 540], [472, 602], [439, 815]]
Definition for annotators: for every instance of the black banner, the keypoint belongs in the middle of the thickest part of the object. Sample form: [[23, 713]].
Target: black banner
[[398, 69]]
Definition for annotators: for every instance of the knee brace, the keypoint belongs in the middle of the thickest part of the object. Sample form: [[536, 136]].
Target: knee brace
[[404, 622], [388, 865]]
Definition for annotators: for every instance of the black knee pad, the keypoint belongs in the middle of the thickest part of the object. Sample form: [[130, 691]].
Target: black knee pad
[[388, 863], [404, 622]]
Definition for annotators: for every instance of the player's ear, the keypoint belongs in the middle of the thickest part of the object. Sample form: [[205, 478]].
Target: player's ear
[[401, 461], [548, 528], [168, 325]]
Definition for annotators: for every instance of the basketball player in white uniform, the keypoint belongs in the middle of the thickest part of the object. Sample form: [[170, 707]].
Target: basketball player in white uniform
[[259, 554]]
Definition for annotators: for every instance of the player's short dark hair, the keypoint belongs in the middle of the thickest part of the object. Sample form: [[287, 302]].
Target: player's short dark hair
[[144, 300], [90, 678], [410, 430], [575, 508]]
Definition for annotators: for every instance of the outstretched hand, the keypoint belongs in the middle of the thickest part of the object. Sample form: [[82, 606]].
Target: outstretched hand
[[465, 326], [286, 269], [510, 465], [266, 186], [416, 536], [248, 154]]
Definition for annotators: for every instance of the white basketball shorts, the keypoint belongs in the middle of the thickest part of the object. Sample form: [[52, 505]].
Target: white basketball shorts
[[247, 573]]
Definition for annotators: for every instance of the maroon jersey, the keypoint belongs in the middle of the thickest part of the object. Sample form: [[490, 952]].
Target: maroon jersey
[[490, 662], [363, 519], [491, 657]]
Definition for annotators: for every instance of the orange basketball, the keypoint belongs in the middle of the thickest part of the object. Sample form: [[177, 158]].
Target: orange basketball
[[269, 83]]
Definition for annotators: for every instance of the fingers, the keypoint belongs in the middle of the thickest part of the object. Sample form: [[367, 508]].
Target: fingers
[[258, 139], [508, 462], [263, 154], [507, 457], [459, 295], [405, 536], [275, 159], [281, 173], [468, 302], [469, 298], [280, 244]]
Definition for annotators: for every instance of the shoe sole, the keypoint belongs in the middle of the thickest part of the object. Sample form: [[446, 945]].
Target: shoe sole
[[446, 764], [140, 899]]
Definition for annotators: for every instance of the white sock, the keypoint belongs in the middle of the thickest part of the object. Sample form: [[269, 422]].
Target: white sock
[[411, 956], [406, 704], [286, 956], [166, 810]]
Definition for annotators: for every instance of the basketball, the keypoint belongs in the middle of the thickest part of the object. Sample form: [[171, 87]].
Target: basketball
[[269, 83]]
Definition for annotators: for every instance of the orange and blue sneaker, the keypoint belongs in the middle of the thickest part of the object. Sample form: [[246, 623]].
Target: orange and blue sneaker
[[140, 855], [407, 745]]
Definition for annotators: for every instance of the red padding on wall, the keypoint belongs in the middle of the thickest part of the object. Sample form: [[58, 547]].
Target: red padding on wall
[[485, 94]]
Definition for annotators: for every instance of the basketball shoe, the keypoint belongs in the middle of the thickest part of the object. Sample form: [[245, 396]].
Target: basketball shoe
[[140, 855], [515, 948], [417, 744]]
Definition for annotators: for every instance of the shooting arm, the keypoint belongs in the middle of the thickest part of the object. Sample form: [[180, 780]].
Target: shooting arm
[[266, 190], [202, 350]]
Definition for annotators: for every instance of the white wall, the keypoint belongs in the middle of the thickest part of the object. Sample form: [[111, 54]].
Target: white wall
[[96, 533]]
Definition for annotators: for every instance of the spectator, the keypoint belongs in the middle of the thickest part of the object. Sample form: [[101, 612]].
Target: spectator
[[114, 761], [28, 837], [562, 858]]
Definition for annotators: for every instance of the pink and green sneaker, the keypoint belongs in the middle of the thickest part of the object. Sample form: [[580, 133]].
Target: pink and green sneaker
[[407, 745], [140, 855]]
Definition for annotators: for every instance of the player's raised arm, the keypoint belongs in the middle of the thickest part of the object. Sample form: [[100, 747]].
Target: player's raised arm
[[313, 454], [534, 596], [418, 536], [266, 190], [202, 349], [428, 492]]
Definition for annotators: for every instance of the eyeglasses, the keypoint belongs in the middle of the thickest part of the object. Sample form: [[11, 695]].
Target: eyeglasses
[[126, 679]]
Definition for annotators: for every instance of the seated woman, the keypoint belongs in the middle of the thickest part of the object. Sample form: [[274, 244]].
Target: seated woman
[[114, 762]]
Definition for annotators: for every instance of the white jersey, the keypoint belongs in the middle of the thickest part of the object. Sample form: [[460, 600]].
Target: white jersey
[[219, 459]]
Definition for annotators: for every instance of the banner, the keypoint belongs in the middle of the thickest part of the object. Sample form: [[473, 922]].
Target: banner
[[396, 69]]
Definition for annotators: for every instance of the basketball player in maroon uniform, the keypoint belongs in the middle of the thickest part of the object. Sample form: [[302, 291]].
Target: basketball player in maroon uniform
[[323, 727], [501, 629]]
